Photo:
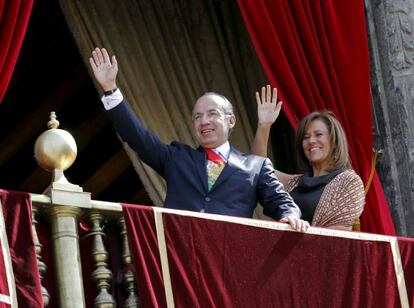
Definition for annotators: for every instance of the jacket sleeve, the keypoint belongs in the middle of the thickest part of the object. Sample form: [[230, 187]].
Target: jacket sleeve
[[342, 201], [146, 144], [276, 202]]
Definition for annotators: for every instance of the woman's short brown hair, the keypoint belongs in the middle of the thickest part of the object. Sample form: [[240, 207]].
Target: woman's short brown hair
[[338, 156]]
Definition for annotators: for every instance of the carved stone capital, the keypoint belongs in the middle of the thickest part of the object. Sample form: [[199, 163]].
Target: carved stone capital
[[399, 21]]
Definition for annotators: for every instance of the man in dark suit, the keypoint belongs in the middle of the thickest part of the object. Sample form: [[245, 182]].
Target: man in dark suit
[[215, 178]]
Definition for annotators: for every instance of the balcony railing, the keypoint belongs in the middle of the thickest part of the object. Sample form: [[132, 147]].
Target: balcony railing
[[64, 214], [65, 207], [228, 272]]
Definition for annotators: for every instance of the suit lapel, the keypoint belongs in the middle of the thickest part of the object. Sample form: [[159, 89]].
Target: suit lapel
[[200, 162], [236, 158]]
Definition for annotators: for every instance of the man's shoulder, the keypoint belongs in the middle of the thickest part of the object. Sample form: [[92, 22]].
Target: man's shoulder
[[250, 157], [180, 146]]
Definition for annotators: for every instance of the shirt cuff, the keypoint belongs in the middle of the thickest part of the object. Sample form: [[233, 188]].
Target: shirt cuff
[[113, 100]]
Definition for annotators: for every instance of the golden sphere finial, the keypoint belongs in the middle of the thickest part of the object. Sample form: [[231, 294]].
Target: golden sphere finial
[[53, 123], [55, 148]]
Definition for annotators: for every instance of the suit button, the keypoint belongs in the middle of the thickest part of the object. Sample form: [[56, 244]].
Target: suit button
[[208, 199]]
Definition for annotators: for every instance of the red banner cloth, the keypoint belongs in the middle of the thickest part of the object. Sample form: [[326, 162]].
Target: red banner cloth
[[316, 54], [14, 17], [4, 286], [144, 249], [230, 264], [18, 220], [406, 246]]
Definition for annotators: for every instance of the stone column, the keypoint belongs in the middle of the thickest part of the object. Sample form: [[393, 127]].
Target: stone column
[[67, 256], [390, 29], [64, 221]]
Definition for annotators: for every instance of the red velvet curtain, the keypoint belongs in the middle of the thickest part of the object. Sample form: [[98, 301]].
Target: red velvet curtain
[[14, 17], [316, 54], [17, 213]]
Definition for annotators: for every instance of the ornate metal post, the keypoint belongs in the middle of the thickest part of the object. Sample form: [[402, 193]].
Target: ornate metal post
[[55, 151], [101, 275], [129, 276], [41, 265]]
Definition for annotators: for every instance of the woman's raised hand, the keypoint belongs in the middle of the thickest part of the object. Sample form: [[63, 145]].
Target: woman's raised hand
[[268, 108]]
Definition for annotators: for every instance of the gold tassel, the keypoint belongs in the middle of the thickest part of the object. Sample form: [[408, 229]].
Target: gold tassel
[[357, 224], [371, 174]]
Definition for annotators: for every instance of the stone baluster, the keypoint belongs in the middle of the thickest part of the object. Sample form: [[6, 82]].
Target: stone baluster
[[101, 275], [64, 223], [40, 264], [129, 276]]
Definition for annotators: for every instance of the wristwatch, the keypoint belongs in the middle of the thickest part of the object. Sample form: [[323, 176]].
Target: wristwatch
[[107, 93]]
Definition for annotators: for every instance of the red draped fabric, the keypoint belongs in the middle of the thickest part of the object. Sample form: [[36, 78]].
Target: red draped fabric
[[18, 221], [14, 17], [144, 249], [406, 246], [231, 264], [316, 54], [4, 287]]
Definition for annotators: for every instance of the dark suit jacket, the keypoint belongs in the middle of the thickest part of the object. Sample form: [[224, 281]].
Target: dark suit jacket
[[245, 180]]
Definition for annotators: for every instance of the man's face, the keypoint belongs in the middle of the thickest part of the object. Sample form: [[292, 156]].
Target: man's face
[[211, 125]]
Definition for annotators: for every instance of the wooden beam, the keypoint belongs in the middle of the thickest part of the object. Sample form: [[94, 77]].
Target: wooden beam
[[107, 173], [32, 123]]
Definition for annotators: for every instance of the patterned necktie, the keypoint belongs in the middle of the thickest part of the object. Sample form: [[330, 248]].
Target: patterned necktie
[[215, 164]]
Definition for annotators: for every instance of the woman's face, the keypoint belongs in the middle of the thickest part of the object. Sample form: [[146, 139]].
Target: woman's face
[[316, 144]]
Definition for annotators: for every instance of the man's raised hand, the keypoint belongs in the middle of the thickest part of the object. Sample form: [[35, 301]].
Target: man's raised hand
[[104, 68]]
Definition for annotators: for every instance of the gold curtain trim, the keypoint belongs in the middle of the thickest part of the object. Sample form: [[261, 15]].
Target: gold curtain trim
[[372, 172], [357, 223]]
